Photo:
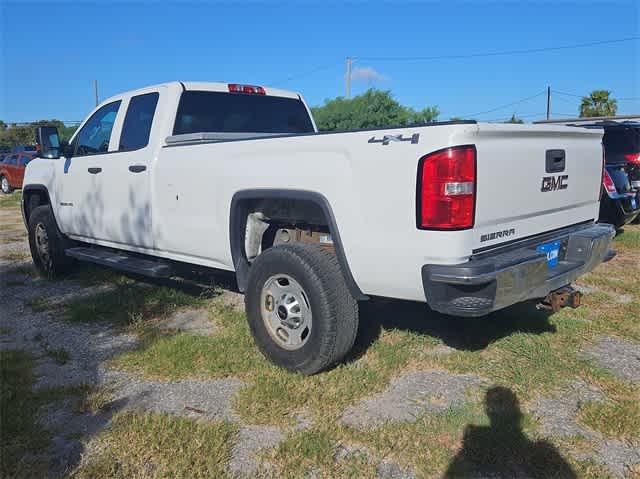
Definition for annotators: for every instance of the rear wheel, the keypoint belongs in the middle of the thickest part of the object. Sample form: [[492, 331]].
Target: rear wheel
[[4, 185], [299, 309], [47, 243]]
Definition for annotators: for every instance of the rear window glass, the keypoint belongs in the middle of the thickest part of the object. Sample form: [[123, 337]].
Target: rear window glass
[[219, 112], [621, 141], [137, 122]]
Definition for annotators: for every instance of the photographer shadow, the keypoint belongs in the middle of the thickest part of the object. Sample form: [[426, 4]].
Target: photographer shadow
[[501, 449]]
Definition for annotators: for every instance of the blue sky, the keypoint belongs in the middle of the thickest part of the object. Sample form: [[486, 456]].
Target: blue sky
[[51, 52]]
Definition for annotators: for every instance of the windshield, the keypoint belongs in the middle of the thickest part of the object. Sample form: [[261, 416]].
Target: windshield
[[219, 112]]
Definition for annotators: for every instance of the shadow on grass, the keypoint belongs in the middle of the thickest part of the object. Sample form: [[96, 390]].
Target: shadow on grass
[[501, 449], [467, 334]]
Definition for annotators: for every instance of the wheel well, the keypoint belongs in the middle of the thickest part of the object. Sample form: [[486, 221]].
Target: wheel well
[[261, 219], [32, 198]]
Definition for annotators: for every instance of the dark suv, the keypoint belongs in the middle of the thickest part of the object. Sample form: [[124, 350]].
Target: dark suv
[[620, 203]]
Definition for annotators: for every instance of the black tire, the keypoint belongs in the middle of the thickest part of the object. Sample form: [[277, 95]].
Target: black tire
[[5, 187], [55, 263], [333, 308]]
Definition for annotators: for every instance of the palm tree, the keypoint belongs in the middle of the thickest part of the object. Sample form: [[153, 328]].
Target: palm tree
[[598, 103]]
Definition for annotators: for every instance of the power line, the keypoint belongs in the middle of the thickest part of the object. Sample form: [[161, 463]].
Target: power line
[[300, 75], [567, 94], [502, 53], [501, 107], [517, 115]]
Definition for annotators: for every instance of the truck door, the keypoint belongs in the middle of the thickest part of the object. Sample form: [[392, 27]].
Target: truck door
[[81, 201], [125, 190]]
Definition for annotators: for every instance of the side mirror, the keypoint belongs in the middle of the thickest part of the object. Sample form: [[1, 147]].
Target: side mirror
[[48, 142]]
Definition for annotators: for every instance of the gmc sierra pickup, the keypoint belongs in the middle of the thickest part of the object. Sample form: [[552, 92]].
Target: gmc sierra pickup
[[467, 217]]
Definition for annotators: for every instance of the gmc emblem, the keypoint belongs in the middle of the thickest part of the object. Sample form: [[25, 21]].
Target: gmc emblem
[[553, 183]]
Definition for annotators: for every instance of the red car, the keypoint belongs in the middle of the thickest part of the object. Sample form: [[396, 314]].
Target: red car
[[12, 170]]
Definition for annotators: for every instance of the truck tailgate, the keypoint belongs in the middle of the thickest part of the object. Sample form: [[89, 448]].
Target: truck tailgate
[[534, 179]]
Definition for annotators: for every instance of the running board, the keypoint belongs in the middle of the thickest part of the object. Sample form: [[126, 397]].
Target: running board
[[122, 261]]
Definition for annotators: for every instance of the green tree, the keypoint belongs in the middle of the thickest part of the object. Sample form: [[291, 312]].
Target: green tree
[[514, 119], [598, 103], [374, 108], [25, 134]]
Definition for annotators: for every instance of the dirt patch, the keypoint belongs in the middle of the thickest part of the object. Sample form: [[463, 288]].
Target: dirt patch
[[410, 395], [621, 357]]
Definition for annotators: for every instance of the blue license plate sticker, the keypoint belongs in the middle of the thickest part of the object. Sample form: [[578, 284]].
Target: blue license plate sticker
[[552, 250]]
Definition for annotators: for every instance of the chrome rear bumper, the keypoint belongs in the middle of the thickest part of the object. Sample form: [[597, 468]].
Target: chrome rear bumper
[[493, 282]]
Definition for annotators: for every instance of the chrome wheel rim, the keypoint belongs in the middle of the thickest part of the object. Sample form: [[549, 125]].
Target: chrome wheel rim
[[5, 185], [286, 312], [42, 244]]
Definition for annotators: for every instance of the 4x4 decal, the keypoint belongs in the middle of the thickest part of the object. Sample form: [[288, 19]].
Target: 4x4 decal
[[386, 139]]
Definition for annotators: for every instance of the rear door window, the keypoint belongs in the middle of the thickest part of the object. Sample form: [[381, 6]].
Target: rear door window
[[219, 112], [95, 135], [138, 121], [620, 141]]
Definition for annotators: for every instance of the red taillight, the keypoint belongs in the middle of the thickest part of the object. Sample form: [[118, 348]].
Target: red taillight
[[607, 182], [447, 189], [254, 90], [633, 158]]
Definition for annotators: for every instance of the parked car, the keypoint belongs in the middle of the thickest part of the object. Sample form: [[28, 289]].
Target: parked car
[[467, 217], [23, 148], [12, 170], [622, 153], [620, 203]]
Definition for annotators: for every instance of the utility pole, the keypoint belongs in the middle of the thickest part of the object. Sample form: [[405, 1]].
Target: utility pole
[[348, 77], [95, 90], [548, 102]]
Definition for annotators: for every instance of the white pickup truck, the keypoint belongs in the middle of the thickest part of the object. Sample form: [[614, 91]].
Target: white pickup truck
[[467, 217]]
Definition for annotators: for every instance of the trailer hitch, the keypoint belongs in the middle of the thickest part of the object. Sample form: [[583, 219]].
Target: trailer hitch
[[560, 298]]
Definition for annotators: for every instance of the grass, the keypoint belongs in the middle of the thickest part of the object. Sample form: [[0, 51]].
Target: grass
[[59, 355], [630, 237], [19, 404], [128, 301], [158, 446], [528, 351], [11, 201], [40, 304], [524, 350], [15, 256]]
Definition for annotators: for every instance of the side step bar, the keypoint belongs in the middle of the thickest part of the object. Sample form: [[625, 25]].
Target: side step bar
[[122, 261]]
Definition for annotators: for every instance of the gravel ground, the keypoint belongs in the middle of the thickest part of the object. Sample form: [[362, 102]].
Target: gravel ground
[[40, 331], [88, 347], [410, 395], [557, 414], [621, 357]]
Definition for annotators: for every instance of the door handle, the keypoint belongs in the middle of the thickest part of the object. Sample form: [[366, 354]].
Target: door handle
[[94, 171], [137, 168]]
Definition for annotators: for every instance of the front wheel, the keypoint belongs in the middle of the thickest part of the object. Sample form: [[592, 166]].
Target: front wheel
[[5, 186], [48, 244], [299, 308]]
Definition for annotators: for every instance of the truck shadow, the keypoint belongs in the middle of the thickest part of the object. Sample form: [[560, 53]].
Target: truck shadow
[[466, 334]]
